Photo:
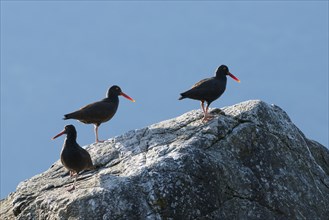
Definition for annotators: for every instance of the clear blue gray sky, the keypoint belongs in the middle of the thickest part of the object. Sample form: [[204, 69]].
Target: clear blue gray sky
[[57, 56]]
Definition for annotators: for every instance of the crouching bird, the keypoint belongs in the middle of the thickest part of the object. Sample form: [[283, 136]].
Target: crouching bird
[[73, 157], [210, 89], [99, 112]]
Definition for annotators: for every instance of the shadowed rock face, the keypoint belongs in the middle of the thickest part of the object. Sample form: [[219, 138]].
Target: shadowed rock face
[[250, 162]]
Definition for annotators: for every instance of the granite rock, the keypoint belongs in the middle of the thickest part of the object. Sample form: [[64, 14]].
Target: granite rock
[[249, 162]]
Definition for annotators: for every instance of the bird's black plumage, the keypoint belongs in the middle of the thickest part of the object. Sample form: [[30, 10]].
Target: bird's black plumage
[[73, 157], [210, 89], [99, 112]]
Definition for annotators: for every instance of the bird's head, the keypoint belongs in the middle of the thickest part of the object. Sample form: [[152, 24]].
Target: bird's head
[[116, 91], [68, 130], [223, 70]]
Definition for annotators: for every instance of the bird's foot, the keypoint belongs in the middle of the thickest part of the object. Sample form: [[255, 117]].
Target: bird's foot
[[71, 188], [100, 141], [207, 118], [72, 173]]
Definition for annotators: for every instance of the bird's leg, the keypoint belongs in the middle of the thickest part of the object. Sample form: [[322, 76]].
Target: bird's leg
[[204, 111], [207, 110], [73, 187], [202, 106], [207, 116], [75, 179], [96, 134]]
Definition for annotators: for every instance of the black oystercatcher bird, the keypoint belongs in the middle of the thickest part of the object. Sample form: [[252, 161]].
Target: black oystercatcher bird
[[73, 157], [210, 89], [99, 112]]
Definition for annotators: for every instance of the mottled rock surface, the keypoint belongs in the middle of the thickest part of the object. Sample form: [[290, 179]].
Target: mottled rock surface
[[249, 162]]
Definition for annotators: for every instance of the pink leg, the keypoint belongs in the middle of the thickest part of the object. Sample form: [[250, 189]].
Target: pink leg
[[96, 134], [207, 116], [73, 186], [204, 111], [75, 175], [202, 106]]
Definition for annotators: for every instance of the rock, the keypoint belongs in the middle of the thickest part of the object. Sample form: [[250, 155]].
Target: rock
[[249, 162]]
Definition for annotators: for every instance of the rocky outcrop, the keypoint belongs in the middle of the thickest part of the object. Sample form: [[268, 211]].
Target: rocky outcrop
[[249, 162]]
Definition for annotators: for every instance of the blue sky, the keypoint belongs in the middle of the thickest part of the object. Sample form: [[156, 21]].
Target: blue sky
[[57, 56]]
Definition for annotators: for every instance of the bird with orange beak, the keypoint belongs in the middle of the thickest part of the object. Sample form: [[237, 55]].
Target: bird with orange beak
[[73, 157], [99, 112], [210, 89]]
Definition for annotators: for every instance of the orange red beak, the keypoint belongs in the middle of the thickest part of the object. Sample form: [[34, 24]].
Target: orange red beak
[[234, 77], [127, 96], [61, 133]]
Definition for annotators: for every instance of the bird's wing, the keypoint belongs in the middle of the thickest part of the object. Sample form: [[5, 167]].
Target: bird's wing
[[99, 110], [202, 90], [96, 111], [85, 156], [201, 83]]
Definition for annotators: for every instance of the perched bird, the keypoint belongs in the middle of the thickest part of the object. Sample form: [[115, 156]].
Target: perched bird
[[99, 112], [73, 157], [210, 89]]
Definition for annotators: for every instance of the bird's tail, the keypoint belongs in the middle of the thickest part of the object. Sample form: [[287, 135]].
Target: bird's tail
[[67, 116], [95, 167], [182, 97]]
